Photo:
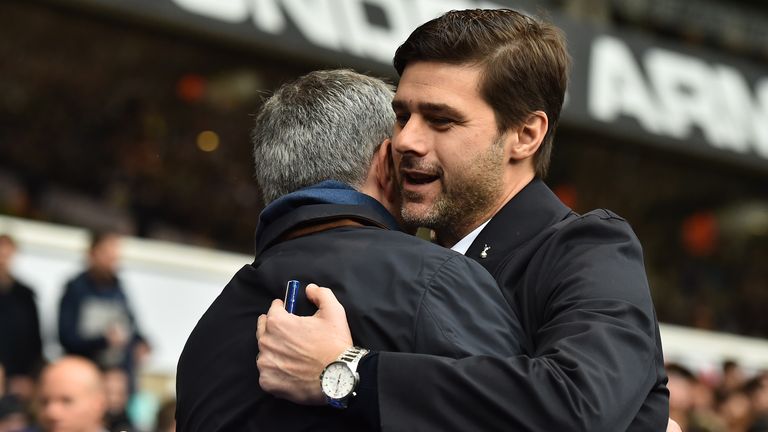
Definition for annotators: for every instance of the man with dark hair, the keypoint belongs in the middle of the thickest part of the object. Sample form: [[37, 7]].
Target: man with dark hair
[[21, 347], [476, 107], [322, 159], [96, 320]]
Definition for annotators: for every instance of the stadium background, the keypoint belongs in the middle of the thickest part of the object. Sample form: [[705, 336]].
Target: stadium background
[[134, 115]]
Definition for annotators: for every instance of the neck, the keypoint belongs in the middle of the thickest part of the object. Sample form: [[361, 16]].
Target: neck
[[379, 195], [101, 275], [449, 237], [5, 280]]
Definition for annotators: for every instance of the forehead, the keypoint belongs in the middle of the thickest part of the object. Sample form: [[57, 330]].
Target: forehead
[[439, 83], [110, 243], [61, 383]]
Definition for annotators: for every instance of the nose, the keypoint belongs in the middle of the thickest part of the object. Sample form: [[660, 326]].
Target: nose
[[51, 411], [411, 137]]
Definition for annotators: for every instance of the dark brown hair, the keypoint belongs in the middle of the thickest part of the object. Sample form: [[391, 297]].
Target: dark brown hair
[[524, 60], [99, 237]]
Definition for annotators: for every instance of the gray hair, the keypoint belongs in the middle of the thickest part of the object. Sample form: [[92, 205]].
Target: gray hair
[[326, 125]]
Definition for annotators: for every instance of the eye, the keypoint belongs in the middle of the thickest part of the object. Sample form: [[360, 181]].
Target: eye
[[402, 118], [441, 122]]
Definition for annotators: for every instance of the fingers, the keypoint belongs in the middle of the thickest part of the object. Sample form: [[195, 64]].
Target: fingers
[[323, 298], [274, 310], [313, 291], [261, 326], [672, 426], [277, 305]]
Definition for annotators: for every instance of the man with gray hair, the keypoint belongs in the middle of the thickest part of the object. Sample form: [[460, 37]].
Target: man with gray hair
[[321, 149]]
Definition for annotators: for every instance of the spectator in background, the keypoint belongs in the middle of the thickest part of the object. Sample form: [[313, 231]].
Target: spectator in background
[[756, 390], [21, 349], [13, 416], [680, 387], [166, 417], [13, 412], [95, 318], [733, 377], [734, 409], [117, 387], [742, 408], [690, 401], [72, 396]]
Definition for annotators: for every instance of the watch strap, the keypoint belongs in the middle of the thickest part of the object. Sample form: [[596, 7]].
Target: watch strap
[[352, 356]]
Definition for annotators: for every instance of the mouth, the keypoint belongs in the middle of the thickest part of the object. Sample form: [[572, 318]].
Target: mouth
[[415, 177]]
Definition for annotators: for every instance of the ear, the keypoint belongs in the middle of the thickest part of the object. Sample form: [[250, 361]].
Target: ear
[[385, 172], [528, 136], [99, 405]]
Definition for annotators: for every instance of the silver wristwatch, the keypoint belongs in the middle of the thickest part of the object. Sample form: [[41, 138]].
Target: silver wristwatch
[[340, 378]]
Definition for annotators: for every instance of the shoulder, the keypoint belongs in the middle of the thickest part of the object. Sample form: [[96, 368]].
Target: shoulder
[[598, 252], [603, 217], [575, 240], [597, 227], [78, 279], [78, 284], [600, 238], [23, 290]]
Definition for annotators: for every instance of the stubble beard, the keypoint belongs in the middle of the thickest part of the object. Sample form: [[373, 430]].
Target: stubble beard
[[472, 191]]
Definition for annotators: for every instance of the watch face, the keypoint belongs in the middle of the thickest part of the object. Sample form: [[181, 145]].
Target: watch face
[[338, 380]]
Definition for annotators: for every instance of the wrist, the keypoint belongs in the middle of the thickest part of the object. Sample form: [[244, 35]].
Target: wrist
[[340, 379]]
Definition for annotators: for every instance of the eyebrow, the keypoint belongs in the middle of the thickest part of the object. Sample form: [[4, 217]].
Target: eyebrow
[[429, 107]]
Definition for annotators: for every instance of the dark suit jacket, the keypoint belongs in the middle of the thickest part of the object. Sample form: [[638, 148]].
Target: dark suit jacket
[[595, 361], [21, 348], [400, 294]]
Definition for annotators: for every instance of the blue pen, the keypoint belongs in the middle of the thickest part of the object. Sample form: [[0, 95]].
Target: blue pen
[[291, 293]]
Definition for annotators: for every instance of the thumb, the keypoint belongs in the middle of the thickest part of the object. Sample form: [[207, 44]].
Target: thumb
[[323, 298], [331, 314]]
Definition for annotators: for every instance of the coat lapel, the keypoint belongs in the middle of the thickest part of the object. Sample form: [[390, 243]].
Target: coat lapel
[[528, 213]]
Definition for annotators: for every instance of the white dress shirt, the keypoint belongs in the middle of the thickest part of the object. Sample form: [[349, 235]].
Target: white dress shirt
[[463, 244]]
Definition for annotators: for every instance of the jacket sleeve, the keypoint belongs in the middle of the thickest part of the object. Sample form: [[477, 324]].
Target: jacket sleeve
[[586, 308], [463, 313], [35, 356], [69, 318]]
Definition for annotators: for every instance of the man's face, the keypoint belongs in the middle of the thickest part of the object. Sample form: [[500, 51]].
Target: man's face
[[69, 405], [7, 249], [449, 155], [116, 387], [106, 255]]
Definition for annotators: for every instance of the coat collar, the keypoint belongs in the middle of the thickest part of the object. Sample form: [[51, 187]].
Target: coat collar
[[306, 215], [528, 213], [318, 204]]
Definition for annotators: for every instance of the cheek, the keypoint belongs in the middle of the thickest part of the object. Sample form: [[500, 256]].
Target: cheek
[[456, 160], [77, 412]]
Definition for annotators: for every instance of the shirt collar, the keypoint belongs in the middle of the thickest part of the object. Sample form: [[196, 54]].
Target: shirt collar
[[463, 244]]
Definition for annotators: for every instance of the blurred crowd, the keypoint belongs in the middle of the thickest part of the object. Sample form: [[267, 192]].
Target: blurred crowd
[[90, 386], [729, 400]]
